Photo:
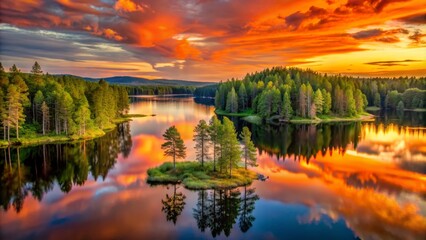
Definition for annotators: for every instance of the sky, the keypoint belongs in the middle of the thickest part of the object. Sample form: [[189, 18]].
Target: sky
[[213, 40]]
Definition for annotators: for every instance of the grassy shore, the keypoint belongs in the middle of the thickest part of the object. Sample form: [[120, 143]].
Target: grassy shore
[[328, 118], [37, 139], [193, 176], [372, 108], [255, 119], [246, 113], [416, 110]]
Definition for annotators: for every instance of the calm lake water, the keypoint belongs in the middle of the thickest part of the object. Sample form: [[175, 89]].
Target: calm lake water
[[327, 181]]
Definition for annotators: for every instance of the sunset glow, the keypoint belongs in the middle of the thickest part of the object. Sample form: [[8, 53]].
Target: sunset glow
[[214, 40]]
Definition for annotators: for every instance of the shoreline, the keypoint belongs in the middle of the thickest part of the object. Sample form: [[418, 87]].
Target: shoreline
[[49, 139], [255, 119]]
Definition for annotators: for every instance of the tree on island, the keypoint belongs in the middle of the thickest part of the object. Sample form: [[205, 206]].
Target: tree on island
[[230, 147], [201, 139], [215, 129], [174, 146], [249, 150]]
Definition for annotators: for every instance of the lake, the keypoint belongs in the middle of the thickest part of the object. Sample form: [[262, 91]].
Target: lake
[[326, 181]]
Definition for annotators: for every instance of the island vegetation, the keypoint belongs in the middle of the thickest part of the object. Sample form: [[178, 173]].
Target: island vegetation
[[220, 168], [304, 96], [38, 108]]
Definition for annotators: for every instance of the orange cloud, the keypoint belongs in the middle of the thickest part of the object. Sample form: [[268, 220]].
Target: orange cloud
[[240, 39], [111, 34], [127, 6]]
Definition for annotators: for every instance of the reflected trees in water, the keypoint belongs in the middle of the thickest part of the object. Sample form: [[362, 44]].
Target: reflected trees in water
[[35, 169], [173, 205], [217, 210]]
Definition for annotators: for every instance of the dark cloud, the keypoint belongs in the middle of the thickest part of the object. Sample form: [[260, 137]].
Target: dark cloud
[[393, 63], [296, 19], [417, 37], [367, 34], [369, 5], [380, 35], [414, 19]]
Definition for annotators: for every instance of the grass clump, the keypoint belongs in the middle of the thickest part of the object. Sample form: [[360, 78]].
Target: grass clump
[[194, 176]]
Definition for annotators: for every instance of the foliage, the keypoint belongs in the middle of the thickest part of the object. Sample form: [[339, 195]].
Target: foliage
[[174, 145], [249, 150], [59, 105], [311, 94], [201, 139]]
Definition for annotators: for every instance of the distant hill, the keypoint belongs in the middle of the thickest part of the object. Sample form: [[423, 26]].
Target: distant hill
[[136, 81]]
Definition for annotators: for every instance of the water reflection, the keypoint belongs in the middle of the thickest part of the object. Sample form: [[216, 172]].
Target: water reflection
[[173, 205], [333, 181], [36, 169]]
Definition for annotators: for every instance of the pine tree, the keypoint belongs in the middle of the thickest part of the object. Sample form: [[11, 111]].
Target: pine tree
[[174, 145], [232, 101], [66, 106], [309, 99], [350, 102], [15, 111], [302, 101], [318, 101], [287, 110], [242, 97], [377, 101], [327, 101], [45, 117], [359, 101], [201, 139], [82, 116], [215, 129], [36, 69], [230, 146], [249, 150]]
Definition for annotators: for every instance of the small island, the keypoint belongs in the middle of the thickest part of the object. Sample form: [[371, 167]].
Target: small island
[[226, 166], [195, 177]]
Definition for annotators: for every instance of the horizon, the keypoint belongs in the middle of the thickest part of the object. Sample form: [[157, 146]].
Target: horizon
[[211, 41]]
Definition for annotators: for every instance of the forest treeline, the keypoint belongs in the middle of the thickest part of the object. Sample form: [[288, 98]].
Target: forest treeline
[[160, 90], [293, 92], [40, 103]]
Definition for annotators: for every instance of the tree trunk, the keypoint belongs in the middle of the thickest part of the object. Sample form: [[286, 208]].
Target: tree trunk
[[174, 160], [214, 157], [202, 152], [43, 122], [34, 111], [17, 130]]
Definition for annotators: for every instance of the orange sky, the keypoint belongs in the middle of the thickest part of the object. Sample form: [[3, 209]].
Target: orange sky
[[210, 40]]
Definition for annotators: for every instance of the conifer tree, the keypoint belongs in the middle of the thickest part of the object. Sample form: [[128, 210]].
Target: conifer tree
[[215, 130], [287, 110], [45, 117], [230, 147], [318, 101], [249, 150], [232, 101], [201, 139], [174, 145]]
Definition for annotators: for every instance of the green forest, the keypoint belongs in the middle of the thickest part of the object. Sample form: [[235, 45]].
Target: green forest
[[292, 93], [42, 107]]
